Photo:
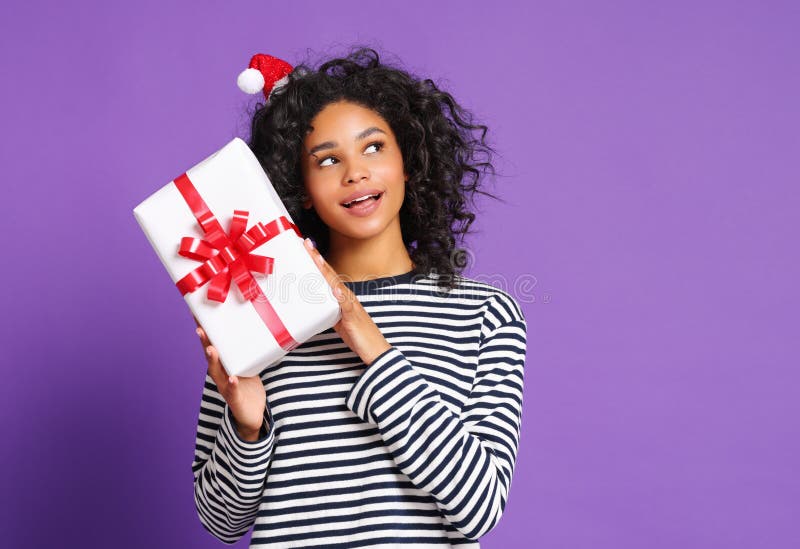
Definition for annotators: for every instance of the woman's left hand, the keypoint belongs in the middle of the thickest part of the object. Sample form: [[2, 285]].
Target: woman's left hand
[[356, 327]]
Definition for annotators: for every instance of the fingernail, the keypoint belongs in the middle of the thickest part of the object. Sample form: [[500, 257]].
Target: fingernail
[[208, 351], [197, 331], [309, 244], [337, 292]]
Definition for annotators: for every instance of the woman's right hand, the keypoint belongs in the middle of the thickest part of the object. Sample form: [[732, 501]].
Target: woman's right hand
[[245, 396]]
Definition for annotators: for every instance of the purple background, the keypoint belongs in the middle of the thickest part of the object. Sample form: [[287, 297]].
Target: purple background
[[650, 161]]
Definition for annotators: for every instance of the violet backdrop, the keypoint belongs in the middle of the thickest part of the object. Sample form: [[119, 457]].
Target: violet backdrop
[[649, 155]]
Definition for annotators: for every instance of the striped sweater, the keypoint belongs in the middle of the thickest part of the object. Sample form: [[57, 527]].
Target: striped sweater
[[416, 449]]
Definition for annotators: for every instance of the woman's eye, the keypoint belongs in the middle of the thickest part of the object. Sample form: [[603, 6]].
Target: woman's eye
[[331, 160], [377, 146]]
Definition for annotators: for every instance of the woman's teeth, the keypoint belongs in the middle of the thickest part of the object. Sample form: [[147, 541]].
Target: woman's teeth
[[362, 199]]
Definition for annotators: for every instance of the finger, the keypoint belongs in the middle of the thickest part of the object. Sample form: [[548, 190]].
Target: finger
[[201, 333], [314, 253], [215, 369], [345, 298], [341, 292], [330, 275], [309, 246], [327, 271], [348, 301]]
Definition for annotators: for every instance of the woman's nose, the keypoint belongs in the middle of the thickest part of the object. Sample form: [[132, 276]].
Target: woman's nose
[[356, 171]]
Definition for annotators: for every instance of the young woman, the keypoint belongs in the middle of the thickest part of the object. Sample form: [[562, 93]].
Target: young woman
[[401, 425]]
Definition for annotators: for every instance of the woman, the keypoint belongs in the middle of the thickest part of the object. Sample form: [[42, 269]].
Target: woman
[[400, 426]]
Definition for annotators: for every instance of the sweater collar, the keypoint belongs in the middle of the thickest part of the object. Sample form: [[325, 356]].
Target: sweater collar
[[374, 285]]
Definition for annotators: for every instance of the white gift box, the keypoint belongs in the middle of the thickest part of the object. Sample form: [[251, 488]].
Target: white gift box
[[295, 291]]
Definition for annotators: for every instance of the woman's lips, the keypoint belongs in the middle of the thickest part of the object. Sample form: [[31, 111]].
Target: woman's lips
[[365, 207], [360, 193]]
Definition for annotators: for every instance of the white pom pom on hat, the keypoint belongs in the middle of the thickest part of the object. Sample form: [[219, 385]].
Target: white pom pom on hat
[[250, 81], [266, 73]]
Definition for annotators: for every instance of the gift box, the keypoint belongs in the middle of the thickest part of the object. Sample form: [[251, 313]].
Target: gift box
[[236, 256]]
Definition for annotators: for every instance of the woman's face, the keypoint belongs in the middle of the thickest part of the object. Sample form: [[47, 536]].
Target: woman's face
[[349, 153]]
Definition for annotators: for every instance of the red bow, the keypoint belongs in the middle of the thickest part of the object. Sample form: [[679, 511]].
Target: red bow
[[228, 257]]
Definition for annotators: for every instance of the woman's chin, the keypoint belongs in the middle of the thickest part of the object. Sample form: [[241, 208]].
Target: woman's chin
[[361, 229]]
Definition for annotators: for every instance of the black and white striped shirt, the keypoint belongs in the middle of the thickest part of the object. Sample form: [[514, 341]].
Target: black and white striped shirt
[[417, 449]]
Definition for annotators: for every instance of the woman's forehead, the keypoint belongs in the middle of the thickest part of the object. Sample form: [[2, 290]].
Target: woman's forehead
[[345, 119]]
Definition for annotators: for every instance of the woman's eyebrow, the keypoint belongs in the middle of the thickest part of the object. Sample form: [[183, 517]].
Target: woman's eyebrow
[[330, 144], [369, 131], [321, 147]]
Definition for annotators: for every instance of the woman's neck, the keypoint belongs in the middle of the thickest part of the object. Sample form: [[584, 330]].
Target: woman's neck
[[367, 259]]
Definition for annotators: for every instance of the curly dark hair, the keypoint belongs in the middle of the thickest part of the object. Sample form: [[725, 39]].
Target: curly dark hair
[[444, 151]]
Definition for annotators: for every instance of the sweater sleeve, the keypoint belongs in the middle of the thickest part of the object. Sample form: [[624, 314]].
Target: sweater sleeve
[[229, 472], [464, 461]]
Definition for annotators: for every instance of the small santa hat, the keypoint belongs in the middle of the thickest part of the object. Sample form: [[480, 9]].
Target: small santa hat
[[266, 73]]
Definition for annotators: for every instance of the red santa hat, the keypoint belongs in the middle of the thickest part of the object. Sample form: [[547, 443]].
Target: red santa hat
[[266, 73]]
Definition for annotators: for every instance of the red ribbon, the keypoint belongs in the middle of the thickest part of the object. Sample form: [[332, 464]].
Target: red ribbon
[[228, 257]]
